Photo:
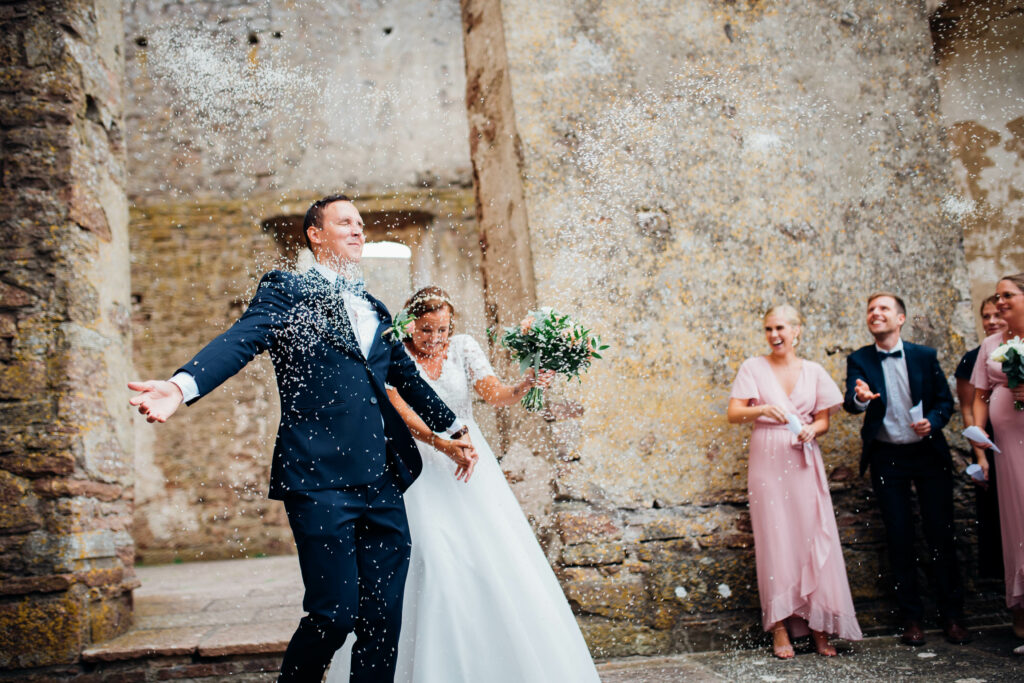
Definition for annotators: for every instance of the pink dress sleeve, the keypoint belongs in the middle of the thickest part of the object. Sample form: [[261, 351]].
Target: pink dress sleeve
[[827, 394], [745, 384], [979, 377]]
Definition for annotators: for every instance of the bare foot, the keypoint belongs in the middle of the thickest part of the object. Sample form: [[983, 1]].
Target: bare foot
[[781, 647], [821, 644]]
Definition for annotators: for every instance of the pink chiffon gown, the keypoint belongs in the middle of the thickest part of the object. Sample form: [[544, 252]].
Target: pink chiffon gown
[[1008, 424], [801, 574]]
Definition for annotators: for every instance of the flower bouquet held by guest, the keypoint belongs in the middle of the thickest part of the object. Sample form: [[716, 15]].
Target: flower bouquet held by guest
[[994, 400], [990, 543], [547, 340], [801, 576], [481, 601]]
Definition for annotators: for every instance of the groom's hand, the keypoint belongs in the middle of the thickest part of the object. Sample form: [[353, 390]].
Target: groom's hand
[[157, 399], [465, 456]]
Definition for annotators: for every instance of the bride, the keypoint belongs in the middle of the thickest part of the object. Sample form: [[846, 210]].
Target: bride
[[481, 601]]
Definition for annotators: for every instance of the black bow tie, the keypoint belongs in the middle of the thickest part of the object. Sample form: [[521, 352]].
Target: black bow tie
[[890, 354]]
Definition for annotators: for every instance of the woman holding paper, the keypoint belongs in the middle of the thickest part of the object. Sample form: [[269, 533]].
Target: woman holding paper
[[994, 401], [801, 576]]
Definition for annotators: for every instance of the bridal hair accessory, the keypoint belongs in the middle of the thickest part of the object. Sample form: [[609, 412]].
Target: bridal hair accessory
[[428, 294]]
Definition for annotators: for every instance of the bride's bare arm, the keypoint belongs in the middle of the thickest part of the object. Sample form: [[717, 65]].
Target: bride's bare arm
[[495, 392], [455, 449]]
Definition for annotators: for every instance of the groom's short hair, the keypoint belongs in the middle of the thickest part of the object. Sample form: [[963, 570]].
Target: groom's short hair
[[316, 212], [899, 302]]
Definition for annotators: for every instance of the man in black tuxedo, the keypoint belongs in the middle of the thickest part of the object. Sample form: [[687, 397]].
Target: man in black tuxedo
[[343, 455], [907, 401]]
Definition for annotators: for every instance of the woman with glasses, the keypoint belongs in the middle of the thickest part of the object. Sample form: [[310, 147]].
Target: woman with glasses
[[994, 400]]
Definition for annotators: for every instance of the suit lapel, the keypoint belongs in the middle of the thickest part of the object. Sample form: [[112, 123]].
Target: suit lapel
[[377, 346], [877, 377], [328, 304], [914, 376]]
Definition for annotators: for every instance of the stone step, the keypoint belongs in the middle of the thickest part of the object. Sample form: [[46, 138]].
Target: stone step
[[210, 609]]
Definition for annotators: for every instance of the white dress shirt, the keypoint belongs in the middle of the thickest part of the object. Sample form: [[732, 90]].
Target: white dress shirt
[[896, 426], [364, 321]]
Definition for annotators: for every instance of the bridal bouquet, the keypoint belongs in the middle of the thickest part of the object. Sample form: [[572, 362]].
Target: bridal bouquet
[[1011, 356], [548, 340]]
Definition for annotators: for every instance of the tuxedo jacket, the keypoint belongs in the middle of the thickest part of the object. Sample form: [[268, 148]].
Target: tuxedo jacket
[[927, 385], [337, 426]]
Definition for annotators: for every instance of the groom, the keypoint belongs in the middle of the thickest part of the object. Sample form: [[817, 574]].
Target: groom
[[343, 455]]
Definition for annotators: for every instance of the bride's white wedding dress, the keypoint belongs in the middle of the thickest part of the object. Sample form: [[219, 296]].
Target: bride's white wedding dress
[[481, 602]]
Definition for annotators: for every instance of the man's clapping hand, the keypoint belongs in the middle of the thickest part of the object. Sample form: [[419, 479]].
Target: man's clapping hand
[[157, 399]]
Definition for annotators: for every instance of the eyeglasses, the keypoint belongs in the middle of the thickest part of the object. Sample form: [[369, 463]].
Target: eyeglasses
[[1006, 296]]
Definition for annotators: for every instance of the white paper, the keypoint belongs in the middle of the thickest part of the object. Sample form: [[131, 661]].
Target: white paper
[[794, 424], [974, 470], [916, 413], [977, 435]]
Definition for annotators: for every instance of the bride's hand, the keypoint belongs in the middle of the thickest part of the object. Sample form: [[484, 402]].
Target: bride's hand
[[462, 453], [541, 381]]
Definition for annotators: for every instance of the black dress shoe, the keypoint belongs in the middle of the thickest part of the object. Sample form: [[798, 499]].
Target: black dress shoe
[[913, 634], [956, 634]]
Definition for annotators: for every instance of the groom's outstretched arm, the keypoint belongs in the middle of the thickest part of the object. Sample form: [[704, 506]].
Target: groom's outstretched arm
[[223, 357]]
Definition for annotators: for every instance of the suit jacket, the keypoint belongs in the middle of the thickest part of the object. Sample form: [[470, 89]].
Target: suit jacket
[[337, 427], [927, 384]]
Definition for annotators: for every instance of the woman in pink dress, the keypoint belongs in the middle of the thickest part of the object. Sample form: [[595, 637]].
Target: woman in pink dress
[[801, 575], [993, 401]]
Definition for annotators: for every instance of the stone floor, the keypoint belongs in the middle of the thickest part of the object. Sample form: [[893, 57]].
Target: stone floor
[[228, 611]]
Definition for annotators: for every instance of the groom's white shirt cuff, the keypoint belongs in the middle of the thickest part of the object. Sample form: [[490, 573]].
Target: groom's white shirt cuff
[[188, 386]]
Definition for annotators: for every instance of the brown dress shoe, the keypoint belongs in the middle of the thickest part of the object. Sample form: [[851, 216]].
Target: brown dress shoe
[[956, 634], [912, 634]]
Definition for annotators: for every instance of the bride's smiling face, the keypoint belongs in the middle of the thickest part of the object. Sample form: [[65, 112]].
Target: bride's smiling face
[[431, 330]]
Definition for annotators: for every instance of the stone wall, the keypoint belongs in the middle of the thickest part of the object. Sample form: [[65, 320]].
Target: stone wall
[[682, 168], [980, 54], [66, 554], [234, 97]]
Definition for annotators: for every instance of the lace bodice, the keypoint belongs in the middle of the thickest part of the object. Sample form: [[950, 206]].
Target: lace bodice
[[465, 365]]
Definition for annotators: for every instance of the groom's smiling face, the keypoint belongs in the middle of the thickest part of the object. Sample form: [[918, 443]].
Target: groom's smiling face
[[339, 237]]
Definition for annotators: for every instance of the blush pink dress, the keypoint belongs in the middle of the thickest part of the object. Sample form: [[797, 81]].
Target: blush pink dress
[[801, 575], [1008, 424]]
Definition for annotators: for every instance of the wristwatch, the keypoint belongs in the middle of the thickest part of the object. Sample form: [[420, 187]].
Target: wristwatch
[[459, 434]]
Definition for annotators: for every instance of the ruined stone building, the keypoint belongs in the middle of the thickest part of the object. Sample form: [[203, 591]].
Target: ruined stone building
[[664, 170]]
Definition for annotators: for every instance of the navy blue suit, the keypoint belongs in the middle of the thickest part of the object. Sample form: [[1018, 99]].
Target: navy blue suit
[[342, 458], [925, 466]]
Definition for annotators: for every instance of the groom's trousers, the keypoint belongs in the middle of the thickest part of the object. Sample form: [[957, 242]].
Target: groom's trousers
[[353, 545]]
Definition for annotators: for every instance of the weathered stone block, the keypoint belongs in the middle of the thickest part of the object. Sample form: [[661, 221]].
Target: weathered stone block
[[18, 512], [614, 638], [20, 585], [622, 598], [582, 525], [40, 632], [593, 554], [57, 488]]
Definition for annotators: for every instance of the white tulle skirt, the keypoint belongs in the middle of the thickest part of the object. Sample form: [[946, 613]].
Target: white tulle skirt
[[481, 601]]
